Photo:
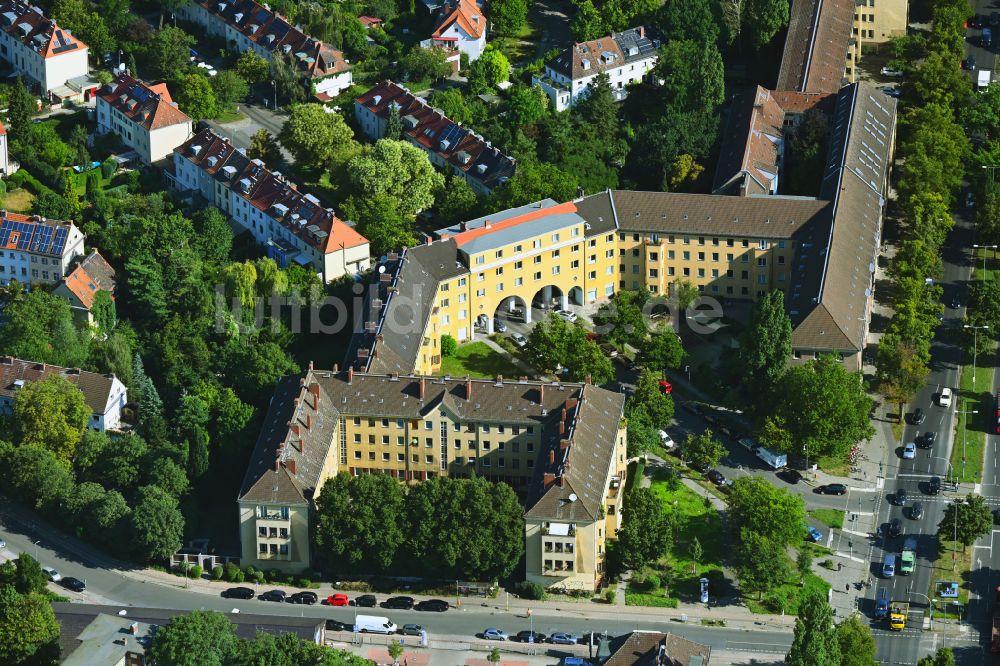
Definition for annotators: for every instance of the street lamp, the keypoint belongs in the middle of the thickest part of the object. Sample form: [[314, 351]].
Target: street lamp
[[929, 605], [965, 429], [951, 471], [975, 348], [984, 247], [274, 85]]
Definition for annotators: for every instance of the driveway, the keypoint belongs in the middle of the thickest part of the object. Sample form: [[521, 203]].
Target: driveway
[[255, 118]]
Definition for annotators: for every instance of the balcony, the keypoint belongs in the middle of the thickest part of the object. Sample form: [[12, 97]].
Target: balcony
[[272, 516], [557, 568], [559, 530], [558, 547]]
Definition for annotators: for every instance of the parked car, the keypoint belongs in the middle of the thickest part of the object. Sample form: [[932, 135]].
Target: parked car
[[917, 510], [790, 475], [934, 485], [525, 637], [562, 638], [366, 601], [996, 516], [592, 637], [666, 387], [273, 595], [888, 71], [667, 441], [832, 489], [899, 499], [716, 477], [337, 600], [494, 634], [970, 199], [891, 92], [969, 63], [398, 603], [411, 629], [500, 326], [238, 593], [955, 303], [436, 605], [337, 625], [52, 574], [896, 527], [945, 399], [927, 441], [918, 416], [303, 598], [814, 534], [74, 584], [519, 340], [910, 450], [567, 315], [3, 544]]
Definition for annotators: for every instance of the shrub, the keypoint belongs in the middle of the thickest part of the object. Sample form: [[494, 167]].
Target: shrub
[[653, 581], [108, 168], [273, 575], [528, 590], [305, 582], [230, 573], [196, 571], [182, 569], [448, 345], [217, 572], [610, 595]]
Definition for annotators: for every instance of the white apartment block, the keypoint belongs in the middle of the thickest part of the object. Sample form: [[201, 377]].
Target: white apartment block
[[626, 57], [294, 227], [144, 117], [36, 251], [39, 50]]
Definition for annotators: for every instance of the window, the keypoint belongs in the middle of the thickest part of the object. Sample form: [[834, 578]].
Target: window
[[385, 457], [575, 263], [555, 254], [635, 252], [500, 287], [701, 240], [781, 276], [518, 281], [555, 270], [762, 261], [400, 457], [701, 272], [357, 438], [357, 455], [715, 272], [385, 439], [686, 255], [500, 271], [480, 259], [555, 238], [517, 249], [461, 282], [654, 256], [687, 272], [761, 279], [537, 260], [400, 441], [462, 298], [518, 265], [715, 256], [480, 277], [499, 253], [654, 273], [701, 256], [429, 460], [670, 254], [670, 271]]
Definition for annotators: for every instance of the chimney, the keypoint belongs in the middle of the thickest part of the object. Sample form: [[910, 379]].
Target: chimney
[[314, 389], [541, 393], [642, 31], [562, 428], [588, 379], [350, 374], [422, 387], [468, 389], [309, 422], [559, 479], [290, 465], [295, 429], [500, 380], [133, 628], [428, 240], [548, 479], [310, 366], [302, 381], [277, 464], [563, 444], [336, 367], [462, 226], [552, 456]]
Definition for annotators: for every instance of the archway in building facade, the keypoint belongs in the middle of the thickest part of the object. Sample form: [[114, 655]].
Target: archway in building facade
[[549, 297]]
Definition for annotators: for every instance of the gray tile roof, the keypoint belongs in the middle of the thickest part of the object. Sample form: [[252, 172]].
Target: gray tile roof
[[752, 144], [599, 212], [642, 648], [96, 388], [599, 55], [104, 640], [815, 54]]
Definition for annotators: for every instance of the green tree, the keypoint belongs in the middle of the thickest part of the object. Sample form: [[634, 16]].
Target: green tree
[[966, 519], [29, 632], [761, 562], [549, 343], [229, 87], [662, 350], [699, 87], [643, 436], [647, 531], [762, 19], [456, 202], [703, 449], [508, 16], [494, 656], [22, 105], [533, 182], [816, 638], [359, 519], [252, 67], [200, 638], [315, 137], [450, 101], [857, 644], [398, 170], [803, 562], [28, 576], [213, 236], [621, 321], [824, 406], [766, 345], [685, 292], [422, 64], [448, 345], [157, 527], [650, 399], [287, 81], [588, 361], [807, 152], [196, 97], [39, 326], [901, 367], [168, 52], [758, 506], [588, 23], [395, 651], [691, 19], [494, 66], [526, 105], [943, 657], [35, 476], [53, 414], [394, 123]]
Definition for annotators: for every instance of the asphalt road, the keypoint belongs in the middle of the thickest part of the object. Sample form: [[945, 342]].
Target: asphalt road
[[110, 586]]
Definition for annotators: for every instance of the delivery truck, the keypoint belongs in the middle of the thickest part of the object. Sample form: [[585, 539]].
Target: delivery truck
[[983, 79], [908, 560], [897, 616], [373, 624], [774, 460]]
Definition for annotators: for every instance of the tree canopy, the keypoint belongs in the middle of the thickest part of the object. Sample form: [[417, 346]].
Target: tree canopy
[[647, 531], [816, 638], [53, 414]]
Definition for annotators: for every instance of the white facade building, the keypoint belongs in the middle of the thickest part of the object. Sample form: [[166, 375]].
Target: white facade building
[[36, 251], [40, 50], [105, 395], [144, 117], [461, 27], [294, 227], [626, 57]]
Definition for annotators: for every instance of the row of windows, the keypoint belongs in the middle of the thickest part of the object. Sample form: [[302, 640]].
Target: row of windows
[[714, 288], [456, 426], [459, 460], [273, 548], [686, 272], [761, 244], [686, 256]]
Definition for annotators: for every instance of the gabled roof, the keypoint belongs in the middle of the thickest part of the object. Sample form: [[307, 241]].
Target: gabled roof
[[91, 275], [301, 214], [27, 24], [751, 146], [466, 14], [599, 55], [34, 234], [815, 54], [145, 105], [273, 32], [429, 129], [96, 389], [654, 648]]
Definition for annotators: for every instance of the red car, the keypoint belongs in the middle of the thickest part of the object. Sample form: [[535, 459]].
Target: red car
[[336, 600], [666, 386]]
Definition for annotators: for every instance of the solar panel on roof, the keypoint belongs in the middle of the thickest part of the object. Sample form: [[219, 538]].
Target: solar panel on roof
[[262, 15]]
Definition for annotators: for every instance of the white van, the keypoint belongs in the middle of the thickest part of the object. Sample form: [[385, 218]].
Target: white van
[[946, 397], [373, 624]]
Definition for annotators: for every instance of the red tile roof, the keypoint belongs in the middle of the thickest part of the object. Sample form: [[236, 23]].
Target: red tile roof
[[91, 275], [27, 24], [301, 214], [466, 236], [145, 105], [369, 21], [468, 16], [749, 160]]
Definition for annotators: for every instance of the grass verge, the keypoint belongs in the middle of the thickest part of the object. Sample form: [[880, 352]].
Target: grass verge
[[477, 359], [946, 570], [970, 438], [785, 598], [829, 517]]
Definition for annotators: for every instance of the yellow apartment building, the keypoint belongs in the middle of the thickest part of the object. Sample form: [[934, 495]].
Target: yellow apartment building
[[546, 440], [878, 21]]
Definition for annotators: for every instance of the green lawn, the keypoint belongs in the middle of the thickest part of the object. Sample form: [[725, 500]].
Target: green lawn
[[829, 517], [959, 570], [477, 359], [970, 437], [677, 570], [785, 599], [19, 200]]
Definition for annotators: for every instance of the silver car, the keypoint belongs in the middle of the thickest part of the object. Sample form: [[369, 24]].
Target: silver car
[[494, 634], [562, 638]]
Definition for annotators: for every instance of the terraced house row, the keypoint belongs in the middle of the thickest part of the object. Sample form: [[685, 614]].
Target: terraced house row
[[561, 446], [820, 251]]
